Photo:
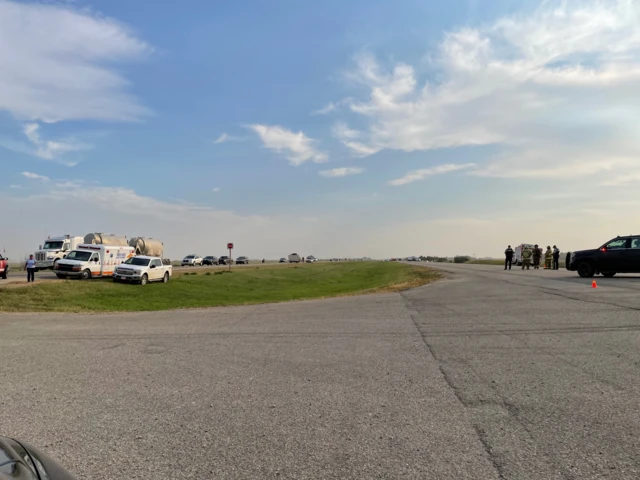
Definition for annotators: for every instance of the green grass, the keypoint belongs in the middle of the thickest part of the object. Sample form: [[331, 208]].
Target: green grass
[[249, 285]]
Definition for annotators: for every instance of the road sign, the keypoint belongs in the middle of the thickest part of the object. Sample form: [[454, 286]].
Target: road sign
[[230, 246]]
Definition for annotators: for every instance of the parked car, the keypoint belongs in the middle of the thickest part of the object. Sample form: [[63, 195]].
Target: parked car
[[619, 255], [4, 267], [210, 260], [242, 261], [143, 269], [282, 260], [311, 259], [294, 258], [224, 260], [191, 260]]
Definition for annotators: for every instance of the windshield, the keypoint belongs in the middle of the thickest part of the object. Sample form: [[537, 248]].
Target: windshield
[[189, 256], [52, 245], [78, 255], [142, 262]]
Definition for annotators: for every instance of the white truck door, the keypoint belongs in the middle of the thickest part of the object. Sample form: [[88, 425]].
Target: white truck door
[[95, 265], [158, 272]]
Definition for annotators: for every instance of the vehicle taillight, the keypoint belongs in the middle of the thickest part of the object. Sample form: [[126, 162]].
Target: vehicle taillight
[[603, 249]]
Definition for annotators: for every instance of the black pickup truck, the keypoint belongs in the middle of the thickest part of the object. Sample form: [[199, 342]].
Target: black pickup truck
[[619, 255]]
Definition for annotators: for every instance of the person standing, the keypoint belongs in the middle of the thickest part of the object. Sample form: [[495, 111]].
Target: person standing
[[30, 267], [508, 257], [537, 255], [526, 257], [556, 258], [548, 256]]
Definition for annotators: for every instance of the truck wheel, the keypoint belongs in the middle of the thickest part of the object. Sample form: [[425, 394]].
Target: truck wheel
[[586, 270], [608, 274], [165, 279], [86, 275], [144, 280], [4, 274]]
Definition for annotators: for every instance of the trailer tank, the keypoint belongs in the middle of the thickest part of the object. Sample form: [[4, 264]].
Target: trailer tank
[[147, 246], [103, 239]]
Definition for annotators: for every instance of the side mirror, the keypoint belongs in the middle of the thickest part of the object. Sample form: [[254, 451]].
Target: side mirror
[[29, 462], [95, 259], [152, 266]]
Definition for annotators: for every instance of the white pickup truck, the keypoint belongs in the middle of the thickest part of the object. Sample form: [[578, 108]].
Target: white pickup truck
[[143, 269]]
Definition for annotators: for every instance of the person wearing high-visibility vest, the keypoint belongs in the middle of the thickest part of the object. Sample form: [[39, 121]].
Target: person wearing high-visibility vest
[[526, 257], [548, 256]]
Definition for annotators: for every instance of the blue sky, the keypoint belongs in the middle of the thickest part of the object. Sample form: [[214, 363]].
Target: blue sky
[[335, 128]]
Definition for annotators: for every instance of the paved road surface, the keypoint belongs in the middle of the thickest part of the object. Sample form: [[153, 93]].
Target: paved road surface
[[486, 375]]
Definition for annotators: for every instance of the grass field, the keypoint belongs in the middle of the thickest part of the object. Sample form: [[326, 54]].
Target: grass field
[[262, 284]]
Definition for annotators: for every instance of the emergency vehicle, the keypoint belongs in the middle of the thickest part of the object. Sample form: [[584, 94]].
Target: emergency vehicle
[[88, 261]]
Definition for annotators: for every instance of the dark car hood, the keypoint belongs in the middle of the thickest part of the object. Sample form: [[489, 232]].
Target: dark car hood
[[586, 252]]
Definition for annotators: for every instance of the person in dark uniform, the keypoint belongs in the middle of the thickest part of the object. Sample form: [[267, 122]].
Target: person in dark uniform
[[508, 257], [537, 255], [556, 258]]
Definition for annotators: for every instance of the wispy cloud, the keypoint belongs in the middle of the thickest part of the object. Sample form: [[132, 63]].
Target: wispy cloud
[[215, 189], [297, 147], [340, 172], [421, 174], [35, 176], [348, 137], [225, 137], [48, 149], [61, 64], [561, 78]]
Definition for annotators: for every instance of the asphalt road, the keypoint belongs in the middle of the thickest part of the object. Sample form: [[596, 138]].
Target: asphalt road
[[485, 375]]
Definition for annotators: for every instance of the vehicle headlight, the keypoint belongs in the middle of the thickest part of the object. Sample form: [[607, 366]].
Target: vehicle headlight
[[76, 269]]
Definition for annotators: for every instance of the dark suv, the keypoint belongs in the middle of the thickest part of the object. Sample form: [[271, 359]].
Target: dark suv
[[620, 255]]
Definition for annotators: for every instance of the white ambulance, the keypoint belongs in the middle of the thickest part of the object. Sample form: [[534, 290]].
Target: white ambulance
[[89, 261]]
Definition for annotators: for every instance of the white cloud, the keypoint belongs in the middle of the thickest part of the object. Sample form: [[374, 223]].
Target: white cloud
[[348, 137], [48, 149], [340, 172], [61, 65], [35, 176], [215, 189], [328, 108], [561, 79], [15, 186], [421, 174], [222, 138], [296, 145]]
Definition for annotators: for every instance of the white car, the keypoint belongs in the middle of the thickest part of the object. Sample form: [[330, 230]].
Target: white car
[[143, 269], [191, 260], [311, 259]]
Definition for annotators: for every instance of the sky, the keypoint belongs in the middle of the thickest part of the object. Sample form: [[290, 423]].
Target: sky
[[335, 129]]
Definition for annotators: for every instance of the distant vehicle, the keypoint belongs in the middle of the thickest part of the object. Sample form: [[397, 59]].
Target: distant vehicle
[[143, 269], [311, 259], [90, 261], [282, 260], [4, 267], [55, 249], [294, 258], [619, 255], [517, 255], [242, 261], [191, 260], [224, 260], [210, 260]]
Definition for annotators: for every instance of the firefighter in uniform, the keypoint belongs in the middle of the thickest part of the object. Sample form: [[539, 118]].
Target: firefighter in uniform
[[508, 257], [537, 254], [548, 256], [526, 257]]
